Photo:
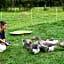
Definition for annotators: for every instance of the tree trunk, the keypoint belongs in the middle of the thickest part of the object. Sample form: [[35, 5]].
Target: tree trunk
[[12, 5]]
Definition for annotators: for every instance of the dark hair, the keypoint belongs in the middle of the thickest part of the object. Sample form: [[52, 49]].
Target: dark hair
[[2, 23]]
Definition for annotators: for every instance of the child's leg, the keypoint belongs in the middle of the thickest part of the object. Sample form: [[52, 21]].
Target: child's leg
[[2, 48], [7, 42]]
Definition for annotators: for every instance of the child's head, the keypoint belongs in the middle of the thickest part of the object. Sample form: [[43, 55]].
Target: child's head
[[3, 25]]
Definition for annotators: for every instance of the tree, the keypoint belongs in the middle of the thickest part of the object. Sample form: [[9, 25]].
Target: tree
[[12, 4]]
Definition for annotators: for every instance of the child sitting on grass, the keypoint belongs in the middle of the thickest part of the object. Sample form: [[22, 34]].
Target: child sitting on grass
[[3, 42]]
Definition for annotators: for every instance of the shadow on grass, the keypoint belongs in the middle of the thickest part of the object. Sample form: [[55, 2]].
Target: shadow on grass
[[20, 34]]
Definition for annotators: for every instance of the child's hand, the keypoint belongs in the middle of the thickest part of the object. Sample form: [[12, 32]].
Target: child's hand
[[7, 44], [2, 43], [0, 39]]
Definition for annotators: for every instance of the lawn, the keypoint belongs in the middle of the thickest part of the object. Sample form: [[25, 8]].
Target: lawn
[[43, 24]]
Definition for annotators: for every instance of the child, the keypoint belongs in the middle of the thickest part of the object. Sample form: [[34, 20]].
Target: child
[[3, 42]]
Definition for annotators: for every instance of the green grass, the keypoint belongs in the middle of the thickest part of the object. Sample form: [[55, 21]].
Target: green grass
[[44, 25]]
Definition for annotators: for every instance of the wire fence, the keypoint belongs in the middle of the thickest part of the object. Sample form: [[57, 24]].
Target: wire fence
[[33, 16]]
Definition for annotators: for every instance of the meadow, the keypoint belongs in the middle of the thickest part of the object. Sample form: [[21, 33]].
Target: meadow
[[45, 24]]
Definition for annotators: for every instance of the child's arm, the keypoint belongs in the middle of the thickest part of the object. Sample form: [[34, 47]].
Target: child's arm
[[3, 42]]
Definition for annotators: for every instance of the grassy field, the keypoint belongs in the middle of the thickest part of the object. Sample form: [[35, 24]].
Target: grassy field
[[43, 24]]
